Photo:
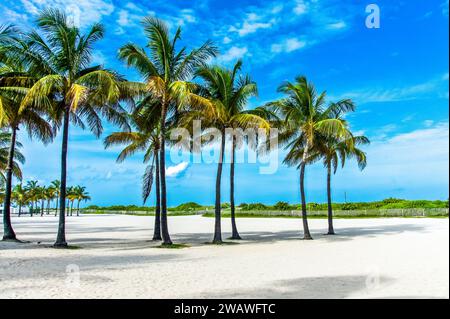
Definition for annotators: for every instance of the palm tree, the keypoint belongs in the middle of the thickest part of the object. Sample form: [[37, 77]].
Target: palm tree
[[166, 72], [81, 195], [49, 196], [32, 188], [334, 150], [5, 142], [69, 85], [228, 94], [20, 196], [146, 138], [14, 82], [305, 119], [71, 197], [56, 184]]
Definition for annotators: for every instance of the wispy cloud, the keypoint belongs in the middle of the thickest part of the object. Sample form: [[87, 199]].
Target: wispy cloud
[[86, 11], [173, 171], [435, 87], [233, 53], [288, 45]]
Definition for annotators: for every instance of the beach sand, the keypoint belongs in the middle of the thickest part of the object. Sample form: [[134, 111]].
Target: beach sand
[[369, 258]]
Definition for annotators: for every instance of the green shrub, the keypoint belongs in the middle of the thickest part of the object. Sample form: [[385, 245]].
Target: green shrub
[[282, 206]]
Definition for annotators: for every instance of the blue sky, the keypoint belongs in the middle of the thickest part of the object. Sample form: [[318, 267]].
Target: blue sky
[[397, 75]]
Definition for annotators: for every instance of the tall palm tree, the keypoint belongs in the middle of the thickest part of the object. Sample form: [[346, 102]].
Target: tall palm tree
[[305, 119], [56, 184], [32, 188], [14, 85], [20, 196], [334, 150], [228, 93], [71, 197], [69, 85], [5, 142], [81, 195], [146, 138], [50, 192], [165, 73]]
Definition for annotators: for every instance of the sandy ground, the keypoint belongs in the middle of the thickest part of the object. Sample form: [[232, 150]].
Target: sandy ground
[[369, 258]]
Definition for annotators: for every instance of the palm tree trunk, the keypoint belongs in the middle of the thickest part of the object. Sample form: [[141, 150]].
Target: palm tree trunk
[[164, 227], [307, 234], [330, 208], [8, 231], [217, 225], [157, 229], [48, 207], [20, 209], [42, 207], [61, 237], [71, 208], [32, 208], [78, 207], [68, 208], [235, 233], [56, 208]]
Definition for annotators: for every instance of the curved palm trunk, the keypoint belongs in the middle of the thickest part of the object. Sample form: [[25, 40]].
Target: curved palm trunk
[[8, 231], [157, 229], [235, 233], [61, 237], [217, 225], [330, 208], [164, 227], [307, 234]]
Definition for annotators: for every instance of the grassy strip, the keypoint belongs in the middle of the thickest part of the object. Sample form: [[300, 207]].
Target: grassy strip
[[143, 213], [336, 215]]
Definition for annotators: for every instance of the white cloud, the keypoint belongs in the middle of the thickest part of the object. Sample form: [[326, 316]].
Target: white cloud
[[288, 45], [226, 40], [233, 53], [435, 87], [300, 8], [123, 18], [173, 171], [337, 25], [86, 11], [252, 23]]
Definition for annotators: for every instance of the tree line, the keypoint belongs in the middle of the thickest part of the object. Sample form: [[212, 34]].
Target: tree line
[[48, 83], [43, 199]]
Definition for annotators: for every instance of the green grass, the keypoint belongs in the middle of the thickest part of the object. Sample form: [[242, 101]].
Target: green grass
[[432, 213]]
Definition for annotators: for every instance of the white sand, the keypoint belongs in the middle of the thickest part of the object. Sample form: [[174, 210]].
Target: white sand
[[381, 258]]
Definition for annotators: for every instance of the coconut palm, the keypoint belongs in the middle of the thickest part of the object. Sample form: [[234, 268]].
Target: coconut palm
[[32, 189], [68, 84], [228, 93], [14, 85], [5, 142], [20, 196], [165, 73], [334, 150], [81, 195], [56, 185], [305, 119], [146, 138]]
